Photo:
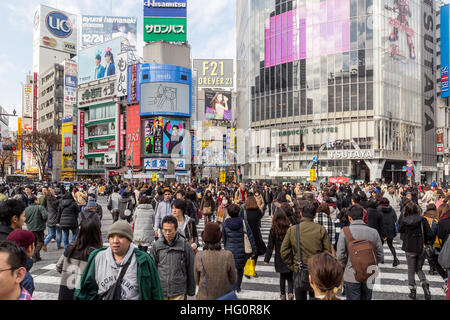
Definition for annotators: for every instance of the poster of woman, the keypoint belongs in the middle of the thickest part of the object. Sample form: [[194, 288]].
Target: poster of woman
[[218, 105]]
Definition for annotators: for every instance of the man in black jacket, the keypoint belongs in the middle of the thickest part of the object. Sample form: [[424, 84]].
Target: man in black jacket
[[12, 216], [268, 199]]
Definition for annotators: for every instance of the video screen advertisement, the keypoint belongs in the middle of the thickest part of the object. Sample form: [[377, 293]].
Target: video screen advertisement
[[163, 136], [98, 29], [218, 105], [98, 62], [165, 90]]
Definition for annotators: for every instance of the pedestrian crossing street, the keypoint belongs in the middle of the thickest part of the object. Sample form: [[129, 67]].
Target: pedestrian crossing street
[[391, 284]]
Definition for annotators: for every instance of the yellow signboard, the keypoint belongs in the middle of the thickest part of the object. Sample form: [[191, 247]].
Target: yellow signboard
[[206, 144], [19, 140], [154, 177], [223, 177], [312, 175], [232, 138]]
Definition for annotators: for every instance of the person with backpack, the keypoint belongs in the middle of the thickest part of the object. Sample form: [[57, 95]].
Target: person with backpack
[[68, 212], [89, 212], [358, 238], [416, 235], [174, 259]]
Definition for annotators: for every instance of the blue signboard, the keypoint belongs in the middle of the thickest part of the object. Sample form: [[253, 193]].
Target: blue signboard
[[445, 50], [165, 8], [164, 90]]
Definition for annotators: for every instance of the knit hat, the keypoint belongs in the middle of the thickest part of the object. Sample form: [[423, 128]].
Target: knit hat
[[91, 203], [23, 238], [121, 228], [212, 233]]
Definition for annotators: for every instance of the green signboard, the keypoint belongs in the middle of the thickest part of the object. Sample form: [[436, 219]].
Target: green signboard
[[166, 29]]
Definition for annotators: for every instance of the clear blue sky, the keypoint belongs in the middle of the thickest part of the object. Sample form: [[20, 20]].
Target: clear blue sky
[[211, 34]]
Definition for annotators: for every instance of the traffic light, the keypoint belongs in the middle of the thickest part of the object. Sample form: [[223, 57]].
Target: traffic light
[[9, 148]]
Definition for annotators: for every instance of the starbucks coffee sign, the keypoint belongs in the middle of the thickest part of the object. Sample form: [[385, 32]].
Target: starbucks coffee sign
[[304, 131], [351, 154]]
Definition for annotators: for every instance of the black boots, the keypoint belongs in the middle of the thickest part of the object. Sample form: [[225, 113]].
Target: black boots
[[412, 294], [396, 262], [426, 291]]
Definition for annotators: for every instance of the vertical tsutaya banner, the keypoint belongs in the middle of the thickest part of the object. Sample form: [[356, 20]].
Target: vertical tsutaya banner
[[122, 74], [134, 135], [428, 84], [445, 50]]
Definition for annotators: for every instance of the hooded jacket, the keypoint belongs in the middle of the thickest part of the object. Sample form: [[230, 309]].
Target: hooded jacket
[[389, 219], [28, 282], [414, 239], [163, 209], [36, 216], [68, 214], [175, 264], [144, 220], [233, 240], [148, 282]]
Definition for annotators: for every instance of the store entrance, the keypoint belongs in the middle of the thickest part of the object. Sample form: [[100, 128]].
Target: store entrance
[[393, 172], [360, 171]]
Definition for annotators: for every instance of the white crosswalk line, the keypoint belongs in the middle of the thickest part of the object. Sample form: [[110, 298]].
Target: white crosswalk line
[[45, 296], [47, 280]]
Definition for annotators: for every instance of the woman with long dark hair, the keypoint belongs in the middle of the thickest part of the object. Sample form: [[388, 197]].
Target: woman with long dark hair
[[280, 225], [71, 265], [110, 68]]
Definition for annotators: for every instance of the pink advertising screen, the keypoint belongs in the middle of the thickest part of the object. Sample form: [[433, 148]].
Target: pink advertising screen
[[291, 36]]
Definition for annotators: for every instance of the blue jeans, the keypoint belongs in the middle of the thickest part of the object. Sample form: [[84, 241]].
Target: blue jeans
[[357, 291], [54, 233], [66, 236]]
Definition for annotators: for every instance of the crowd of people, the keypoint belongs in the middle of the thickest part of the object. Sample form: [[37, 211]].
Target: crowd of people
[[325, 241]]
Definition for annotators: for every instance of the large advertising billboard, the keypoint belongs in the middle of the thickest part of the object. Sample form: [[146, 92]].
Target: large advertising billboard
[[133, 142], [165, 29], [164, 136], [99, 29], [165, 8], [164, 90], [218, 105], [214, 73], [70, 87], [27, 109], [55, 29], [445, 50], [67, 138], [98, 62], [289, 37]]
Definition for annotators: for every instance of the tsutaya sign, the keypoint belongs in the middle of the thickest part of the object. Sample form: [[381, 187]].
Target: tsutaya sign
[[351, 154]]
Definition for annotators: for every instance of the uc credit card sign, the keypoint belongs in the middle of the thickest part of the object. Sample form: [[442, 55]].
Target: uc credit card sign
[[165, 8]]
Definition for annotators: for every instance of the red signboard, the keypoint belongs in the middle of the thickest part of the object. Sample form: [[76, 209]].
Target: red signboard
[[35, 100], [133, 142], [340, 180], [82, 136]]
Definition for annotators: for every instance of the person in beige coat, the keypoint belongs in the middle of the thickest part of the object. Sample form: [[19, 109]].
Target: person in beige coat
[[259, 200], [213, 266]]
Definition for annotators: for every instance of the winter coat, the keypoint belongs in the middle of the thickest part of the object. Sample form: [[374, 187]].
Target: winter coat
[[147, 278], [175, 264], [260, 202], [208, 202], [36, 217], [313, 239], [52, 210], [443, 229], [220, 273], [5, 231], [163, 209], [189, 230], [389, 219], [233, 240], [274, 242], [89, 214], [334, 211], [124, 204], [192, 210], [144, 220], [375, 220], [253, 218], [238, 196], [414, 238], [68, 211]]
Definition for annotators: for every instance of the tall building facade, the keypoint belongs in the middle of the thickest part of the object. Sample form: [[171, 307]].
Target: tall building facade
[[351, 82]]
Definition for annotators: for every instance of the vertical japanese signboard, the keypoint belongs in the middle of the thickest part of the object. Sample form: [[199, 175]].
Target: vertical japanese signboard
[[82, 137], [122, 76]]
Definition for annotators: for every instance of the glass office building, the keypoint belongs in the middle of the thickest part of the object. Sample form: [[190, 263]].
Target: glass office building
[[343, 80]]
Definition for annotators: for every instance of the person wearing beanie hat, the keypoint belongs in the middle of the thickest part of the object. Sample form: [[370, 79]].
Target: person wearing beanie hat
[[90, 212], [25, 239], [214, 265], [140, 280]]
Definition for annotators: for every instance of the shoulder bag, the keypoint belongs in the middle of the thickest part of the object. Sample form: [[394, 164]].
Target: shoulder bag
[[114, 293], [247, 244], [230, 295], [301, 278], [428, 248]]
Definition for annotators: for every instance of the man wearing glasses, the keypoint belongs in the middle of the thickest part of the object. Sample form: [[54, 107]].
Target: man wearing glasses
[[174, 259], [13, 261]]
